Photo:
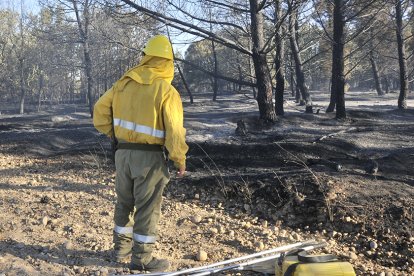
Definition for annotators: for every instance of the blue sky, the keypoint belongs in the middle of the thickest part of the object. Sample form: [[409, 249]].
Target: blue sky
[[180, 40], [28, 5]]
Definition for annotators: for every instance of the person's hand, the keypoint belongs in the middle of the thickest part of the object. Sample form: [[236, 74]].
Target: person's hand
[[181, 172]]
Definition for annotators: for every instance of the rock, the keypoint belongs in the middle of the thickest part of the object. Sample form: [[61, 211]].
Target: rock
[[68, 245], [259, 245], [196, 196], [231, 233], [221, 229], [213, 230], [264, 223], [196, 219], [348, 219], [373, 245], [247, 207], [79, 270], [201, 255], [104, 271], [45, 220], [382, 274], [332, 234], [352, 256], [296, 236]]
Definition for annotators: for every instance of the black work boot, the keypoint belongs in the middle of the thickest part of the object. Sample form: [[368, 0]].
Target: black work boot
[[155, 265]]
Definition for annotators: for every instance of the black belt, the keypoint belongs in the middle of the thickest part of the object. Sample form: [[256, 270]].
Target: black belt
[[136, 146]]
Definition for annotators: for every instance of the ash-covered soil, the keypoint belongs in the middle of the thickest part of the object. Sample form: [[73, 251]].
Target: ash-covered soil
[[308, 176]]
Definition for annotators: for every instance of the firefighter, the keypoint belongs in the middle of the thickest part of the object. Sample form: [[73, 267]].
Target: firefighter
[[143, 111]]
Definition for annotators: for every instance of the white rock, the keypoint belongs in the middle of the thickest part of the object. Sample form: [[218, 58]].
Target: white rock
[[231, 233], [201, 255], [196, 219], [68, 245], [196, 196], [213, 230], [353, 256], [45, 220]]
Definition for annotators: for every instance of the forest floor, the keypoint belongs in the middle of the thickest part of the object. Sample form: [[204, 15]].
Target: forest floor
[[308, 176]]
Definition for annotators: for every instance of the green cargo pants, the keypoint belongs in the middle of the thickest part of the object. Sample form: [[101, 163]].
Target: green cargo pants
[[141, 177]]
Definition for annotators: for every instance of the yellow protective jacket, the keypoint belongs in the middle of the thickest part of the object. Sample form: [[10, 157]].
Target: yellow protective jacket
[[146, 108]]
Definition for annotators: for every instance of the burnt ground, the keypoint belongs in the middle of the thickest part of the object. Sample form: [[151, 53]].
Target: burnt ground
[[308, 176]]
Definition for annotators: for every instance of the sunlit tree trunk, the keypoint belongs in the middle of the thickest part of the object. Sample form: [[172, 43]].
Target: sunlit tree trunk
[[215, 83], [280, 73], [83, 27], [264, 84], [21, 64], [402, 60]]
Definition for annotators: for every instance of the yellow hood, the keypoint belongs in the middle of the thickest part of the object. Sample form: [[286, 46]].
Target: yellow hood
[[149, 69]]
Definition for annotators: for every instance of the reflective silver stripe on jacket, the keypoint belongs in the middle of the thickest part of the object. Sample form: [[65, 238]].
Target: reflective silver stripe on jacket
[[144, 239], [123, 230], [139, 128]]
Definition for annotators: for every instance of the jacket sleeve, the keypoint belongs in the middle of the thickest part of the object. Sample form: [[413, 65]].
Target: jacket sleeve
[[102, 113], [174, 127]]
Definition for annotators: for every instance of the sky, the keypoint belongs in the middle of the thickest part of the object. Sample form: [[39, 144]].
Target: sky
[[180, 40], [28, 5]]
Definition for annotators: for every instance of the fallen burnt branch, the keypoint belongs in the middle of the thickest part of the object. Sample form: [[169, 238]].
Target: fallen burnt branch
[[330, 164], [336, 134]]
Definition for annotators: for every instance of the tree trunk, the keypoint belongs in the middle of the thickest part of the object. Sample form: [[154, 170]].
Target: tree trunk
[[251, 69], [240, 76], [280, 73], [338, 77], [292, 78], [300, 75], [89, 77], [185, 83], [215, 84], [264, 84], [402, 60], [387, 84], [376, 74], [39, 99], [22, 89], [83, 28]]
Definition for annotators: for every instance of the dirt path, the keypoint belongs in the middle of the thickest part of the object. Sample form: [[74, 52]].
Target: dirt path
[[306, 177]]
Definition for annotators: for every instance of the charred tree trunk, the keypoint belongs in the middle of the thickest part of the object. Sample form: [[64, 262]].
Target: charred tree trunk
[[376, 74], [338, 77], [240, 76], [22, 88], [300, 75], [402, 60], [292, 78], [251, 69], [387, 85], [39, 92], [21, 63], [215, 83], [280, 73], [185, 83], [264, 84], [83, 27]]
